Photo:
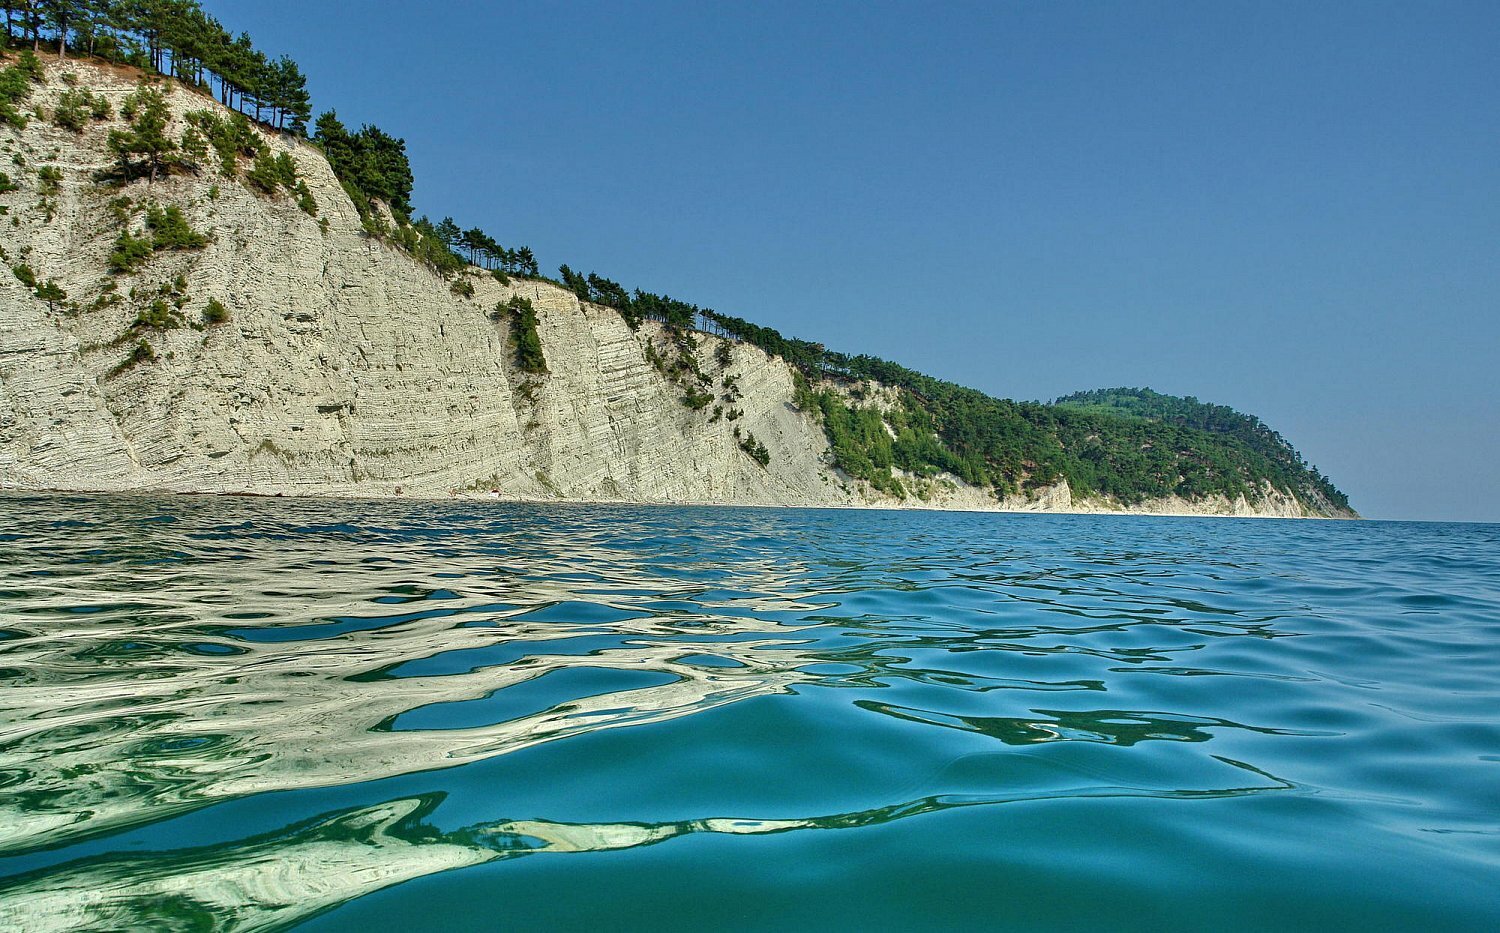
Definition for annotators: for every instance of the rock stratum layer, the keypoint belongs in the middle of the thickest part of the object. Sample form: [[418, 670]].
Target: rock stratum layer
[[347, 368]]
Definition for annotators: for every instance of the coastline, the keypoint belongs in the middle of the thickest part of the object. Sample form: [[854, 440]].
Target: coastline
[[348, 495]]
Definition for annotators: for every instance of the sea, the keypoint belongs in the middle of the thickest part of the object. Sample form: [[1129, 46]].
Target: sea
[[223, 713]]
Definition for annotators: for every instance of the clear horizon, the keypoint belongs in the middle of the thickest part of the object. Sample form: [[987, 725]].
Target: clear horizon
[[1285, 209]]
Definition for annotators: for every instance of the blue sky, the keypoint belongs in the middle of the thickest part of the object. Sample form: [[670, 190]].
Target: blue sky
[[1290, 208]]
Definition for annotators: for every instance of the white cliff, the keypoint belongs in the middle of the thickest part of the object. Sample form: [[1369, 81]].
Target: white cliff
[[347, 368]]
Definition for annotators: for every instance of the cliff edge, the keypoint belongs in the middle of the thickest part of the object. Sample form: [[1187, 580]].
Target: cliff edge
[[205, 332]]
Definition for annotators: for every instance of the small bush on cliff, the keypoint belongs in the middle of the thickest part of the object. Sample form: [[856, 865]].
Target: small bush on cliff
[[158, 315], [25, 275], [142, 352], [76, 106], [170, 230], [15, 88], [305, 199], [50, 179], [215, 312], [524, 338], [232, 138], [130, 253], [51, 292], [270, 173], [754, 448]]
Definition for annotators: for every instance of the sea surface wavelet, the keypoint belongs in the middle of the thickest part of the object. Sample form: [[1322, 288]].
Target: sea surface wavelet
[[246, 714]]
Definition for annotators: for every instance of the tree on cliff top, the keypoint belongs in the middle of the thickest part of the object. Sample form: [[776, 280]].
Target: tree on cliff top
[[372, 161]]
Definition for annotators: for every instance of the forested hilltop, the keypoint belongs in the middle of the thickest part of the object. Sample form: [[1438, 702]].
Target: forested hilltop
[[890, 427]]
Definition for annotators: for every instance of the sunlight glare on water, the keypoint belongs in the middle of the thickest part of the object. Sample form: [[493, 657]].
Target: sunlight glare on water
[[259, 714]]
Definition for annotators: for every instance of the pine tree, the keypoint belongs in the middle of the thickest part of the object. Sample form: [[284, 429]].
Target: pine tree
[[146, 111], [51, 292]]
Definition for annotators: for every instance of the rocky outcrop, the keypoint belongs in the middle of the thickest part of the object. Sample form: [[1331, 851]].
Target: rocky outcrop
[[346, 368]]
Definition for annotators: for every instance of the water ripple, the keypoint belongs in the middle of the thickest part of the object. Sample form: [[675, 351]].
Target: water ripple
[[245, 714]]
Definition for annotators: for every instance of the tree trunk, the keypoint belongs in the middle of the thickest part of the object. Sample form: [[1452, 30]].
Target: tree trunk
[[62, 39]]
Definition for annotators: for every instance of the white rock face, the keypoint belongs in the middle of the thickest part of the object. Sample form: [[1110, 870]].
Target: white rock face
[[348, 369]]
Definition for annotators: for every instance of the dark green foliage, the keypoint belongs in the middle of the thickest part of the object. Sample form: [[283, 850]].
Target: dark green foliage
[[76, 106], [371, 164], [232, 138], [480, 249], [130, 253], [169, 229], [1247, 440], [462, 287], [145, 137], [15, 88], [142, 352], [272, 172], [28, 65], [524, 339], [194, 148], [166, 228], [697, 399], [422, 240], [861, 445], [51, 292], [177, 38], [25, 275], [159, 315], [305, 199], [6, 185], [754, 448], [215, 312], [50, 177]]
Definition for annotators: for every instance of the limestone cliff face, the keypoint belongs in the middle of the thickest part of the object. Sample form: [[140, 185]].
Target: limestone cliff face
[[347, 368]]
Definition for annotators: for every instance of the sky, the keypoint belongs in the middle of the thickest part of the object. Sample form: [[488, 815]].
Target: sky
[[1290, 208]]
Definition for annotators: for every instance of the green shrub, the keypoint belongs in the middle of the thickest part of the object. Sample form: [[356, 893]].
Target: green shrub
[[170, 230], [158, 315], [463, 288], [25, 274], [142, 352], [272, 172], [697, 399], [75, 107], [755, 449], [305, 199], [6, 185], [215, 312], [30, 66], [130, 253], [51, 292], [232, 138], [524, 338], [50, 177]]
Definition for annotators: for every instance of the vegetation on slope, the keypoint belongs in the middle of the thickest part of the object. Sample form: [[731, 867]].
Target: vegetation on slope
[[1254, 436]]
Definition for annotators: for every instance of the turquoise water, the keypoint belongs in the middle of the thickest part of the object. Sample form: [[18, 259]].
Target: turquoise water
[[262, 714]]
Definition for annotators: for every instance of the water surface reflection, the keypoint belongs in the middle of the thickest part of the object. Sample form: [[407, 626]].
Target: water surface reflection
[[357, 695]]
